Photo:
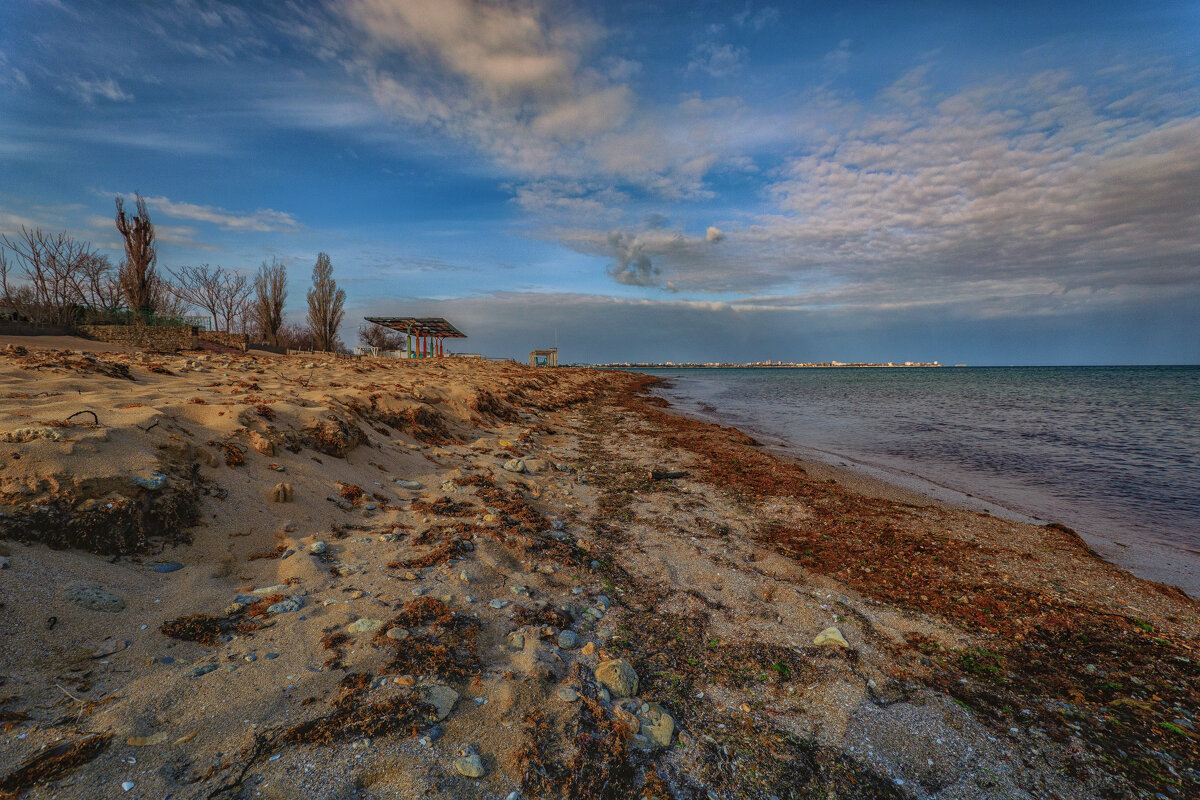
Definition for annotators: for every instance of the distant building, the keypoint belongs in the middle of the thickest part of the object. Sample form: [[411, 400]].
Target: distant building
[[544, 358]]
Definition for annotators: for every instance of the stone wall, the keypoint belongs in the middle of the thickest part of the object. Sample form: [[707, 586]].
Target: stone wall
[[235, 340], [148, 337]]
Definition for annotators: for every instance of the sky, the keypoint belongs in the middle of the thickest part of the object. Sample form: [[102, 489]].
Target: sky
[[985, 183]]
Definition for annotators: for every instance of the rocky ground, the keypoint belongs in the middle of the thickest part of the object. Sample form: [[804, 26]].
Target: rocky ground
[[229, 576]]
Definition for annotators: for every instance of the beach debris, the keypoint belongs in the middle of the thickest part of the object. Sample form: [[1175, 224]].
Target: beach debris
[[147, 741], [153, 483], [353, 718], [830, 637], [471, 766], [94, 597], [281, 493], [618, 676]]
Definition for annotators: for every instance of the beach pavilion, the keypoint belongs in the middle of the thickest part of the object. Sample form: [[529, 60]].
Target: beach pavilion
[[424, 336]]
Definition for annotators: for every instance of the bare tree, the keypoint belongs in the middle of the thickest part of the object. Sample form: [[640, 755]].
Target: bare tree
[[325, 302], [200, 287], [270, 292], [60, 274], [137, 270], [165, 299], [295, 337], [374, 335], [234, 302]]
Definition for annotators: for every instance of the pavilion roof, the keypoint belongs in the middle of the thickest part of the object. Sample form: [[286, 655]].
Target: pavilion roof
[[420, 326]]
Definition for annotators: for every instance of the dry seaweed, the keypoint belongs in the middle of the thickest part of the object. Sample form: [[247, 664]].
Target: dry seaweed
[[440, 643], [52, 764], [353, 717], [335, 437]]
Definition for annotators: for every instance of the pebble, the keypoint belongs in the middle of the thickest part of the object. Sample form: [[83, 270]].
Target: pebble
[[567, 694], [317, 548], [271, 656], [365, 625], [167, 566], [250, 657], [514, 465], [498, 603], [516, 640], [829, 637], [470, 766], [293, 603], [618, 676], [408, 484], [3, 562], [204, 670], [397, 634], [568, 640], [656, 723], [93, 596], [519, 589], [279, 588], [127, 785], [110, 646]]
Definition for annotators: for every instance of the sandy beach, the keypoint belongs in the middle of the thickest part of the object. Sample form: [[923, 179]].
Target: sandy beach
[[244, 576]]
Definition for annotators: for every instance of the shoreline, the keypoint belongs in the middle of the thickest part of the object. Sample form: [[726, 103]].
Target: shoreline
[[1153, 561], [513, 515]]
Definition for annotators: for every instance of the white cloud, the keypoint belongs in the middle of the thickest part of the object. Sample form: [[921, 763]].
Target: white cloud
[[90, 90], [720, 60], [261, 220], [714, 234]]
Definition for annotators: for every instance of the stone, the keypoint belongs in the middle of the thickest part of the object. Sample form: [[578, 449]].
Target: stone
[[441, 697], [568, 640], [519, 589], [588, 649], [408, 484], [397, 634], [261, 444], [365, 625], [94, 597], [110, 646], [535, 465], [514, 465], [498, 603], [470, 766], [516, 640], [147, 741], [279, 588], [318, 548], [656, 723], [155, 482], [167, 566], [127, 785], [830, 637], [3, 562], [204, 670], [618, 676], [567, 694], [281, 493], [293, 603]]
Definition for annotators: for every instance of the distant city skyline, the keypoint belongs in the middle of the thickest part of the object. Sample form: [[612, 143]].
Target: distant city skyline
[[988, 183]]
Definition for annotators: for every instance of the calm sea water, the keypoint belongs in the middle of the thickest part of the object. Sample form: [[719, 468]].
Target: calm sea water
[[1113, 452]]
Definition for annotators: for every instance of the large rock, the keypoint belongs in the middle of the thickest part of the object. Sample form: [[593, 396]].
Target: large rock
[[365, 625], [656, 724], [470, 766], [440, 696], [95, 597], [618, 677], [830, 637]]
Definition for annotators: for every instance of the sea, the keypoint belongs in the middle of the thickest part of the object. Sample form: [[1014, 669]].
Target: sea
[[1112, 452]]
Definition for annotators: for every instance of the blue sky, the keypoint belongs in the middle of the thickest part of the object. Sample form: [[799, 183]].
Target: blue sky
[[988, 183]]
